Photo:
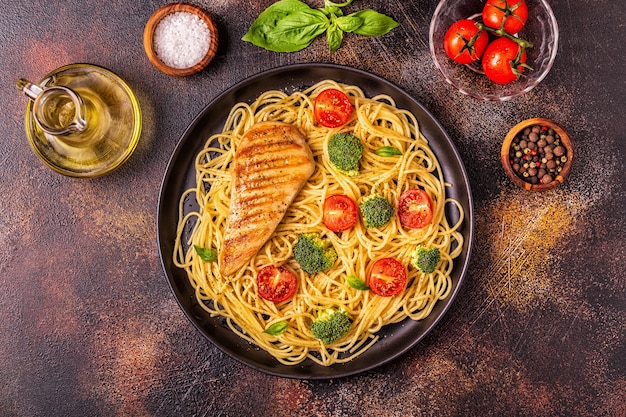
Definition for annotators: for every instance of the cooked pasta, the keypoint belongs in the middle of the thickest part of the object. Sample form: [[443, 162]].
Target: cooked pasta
[[377, 122]]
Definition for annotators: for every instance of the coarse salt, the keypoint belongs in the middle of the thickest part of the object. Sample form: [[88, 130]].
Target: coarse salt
[[181, 40]]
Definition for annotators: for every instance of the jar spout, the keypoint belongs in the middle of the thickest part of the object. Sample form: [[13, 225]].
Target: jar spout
[[32, 91]]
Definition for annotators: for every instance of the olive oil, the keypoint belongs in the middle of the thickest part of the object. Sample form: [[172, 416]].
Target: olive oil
[[95, 144]]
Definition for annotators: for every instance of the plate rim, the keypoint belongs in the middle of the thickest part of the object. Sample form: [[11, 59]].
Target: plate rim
[[300, 371]]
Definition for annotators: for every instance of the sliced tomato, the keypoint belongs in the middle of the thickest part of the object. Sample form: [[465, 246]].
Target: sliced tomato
[[339, 213], [332, 108], [415, 208], [276, 284], [387, 277]]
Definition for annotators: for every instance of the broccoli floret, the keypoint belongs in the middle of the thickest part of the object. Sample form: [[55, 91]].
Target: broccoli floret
[[345, 151], [331, 325], [376, 210], [313, 253], [426, 259]]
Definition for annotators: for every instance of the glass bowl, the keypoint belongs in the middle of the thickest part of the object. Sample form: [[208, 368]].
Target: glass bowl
[[541, 30]]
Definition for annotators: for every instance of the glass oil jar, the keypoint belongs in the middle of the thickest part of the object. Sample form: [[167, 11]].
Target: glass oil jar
[[82, 120]]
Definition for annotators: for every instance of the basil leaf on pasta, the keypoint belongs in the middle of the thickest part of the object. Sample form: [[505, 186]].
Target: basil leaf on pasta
[[357, 283], [388, 151], [277, 328], [207, 255]]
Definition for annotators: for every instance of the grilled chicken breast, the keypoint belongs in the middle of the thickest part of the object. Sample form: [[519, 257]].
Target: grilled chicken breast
[[271, 165]]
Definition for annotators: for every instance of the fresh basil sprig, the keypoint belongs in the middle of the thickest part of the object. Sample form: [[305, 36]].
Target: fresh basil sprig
[[291, 25]]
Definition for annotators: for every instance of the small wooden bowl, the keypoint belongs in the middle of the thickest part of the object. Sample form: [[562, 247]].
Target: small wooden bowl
[[153, 22], [565, 141]]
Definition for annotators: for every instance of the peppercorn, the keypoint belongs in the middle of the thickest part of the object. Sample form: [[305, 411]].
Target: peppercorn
[[559, 150]]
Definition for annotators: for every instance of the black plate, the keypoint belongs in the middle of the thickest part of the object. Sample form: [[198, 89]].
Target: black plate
[[180, 175]]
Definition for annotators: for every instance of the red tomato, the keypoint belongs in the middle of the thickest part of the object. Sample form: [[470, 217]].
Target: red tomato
[[332, 108], [276, 284], [464, 42], [387, 277], [339, 213], [508, 15], [415, 208], [504, 60]]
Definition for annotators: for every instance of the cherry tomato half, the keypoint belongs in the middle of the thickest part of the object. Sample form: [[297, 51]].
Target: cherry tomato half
[[387, 277], [504, 61], [276, 284], [464, 42], [415, 208], [509, 15], [332, 108], [339, 213]]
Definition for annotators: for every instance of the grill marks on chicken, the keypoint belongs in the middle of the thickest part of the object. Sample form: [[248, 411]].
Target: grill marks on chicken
[[271, 165]]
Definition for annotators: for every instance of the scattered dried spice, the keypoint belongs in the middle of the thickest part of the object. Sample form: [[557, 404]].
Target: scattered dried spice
[[524, 244]]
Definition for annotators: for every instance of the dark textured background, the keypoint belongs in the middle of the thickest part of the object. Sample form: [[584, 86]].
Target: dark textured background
[[89, 327]]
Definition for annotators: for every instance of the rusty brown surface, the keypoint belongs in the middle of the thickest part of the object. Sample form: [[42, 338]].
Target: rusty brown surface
[[89, 326]]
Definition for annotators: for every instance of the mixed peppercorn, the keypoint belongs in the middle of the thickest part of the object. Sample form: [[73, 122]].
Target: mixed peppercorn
[[537, 155]]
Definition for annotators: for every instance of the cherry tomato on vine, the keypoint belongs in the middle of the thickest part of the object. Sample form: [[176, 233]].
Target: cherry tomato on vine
[[275, 283], [332, 108], [339, 213], [387, 277], [508, 15], [504, 61], [464, 42], [415, 208]]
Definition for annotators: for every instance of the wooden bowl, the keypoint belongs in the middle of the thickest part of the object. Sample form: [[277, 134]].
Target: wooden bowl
[[153, 22], [565, 141]]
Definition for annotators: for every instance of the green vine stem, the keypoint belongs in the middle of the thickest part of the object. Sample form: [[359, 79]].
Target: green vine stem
[[524, 44]]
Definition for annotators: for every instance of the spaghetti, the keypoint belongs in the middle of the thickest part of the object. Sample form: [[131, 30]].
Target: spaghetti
[[376, 122]]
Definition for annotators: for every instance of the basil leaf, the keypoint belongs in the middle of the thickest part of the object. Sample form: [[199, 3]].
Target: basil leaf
[[331, 11], [206, 254], [262, 28], [388, 151], [276, 328], [301, 28], [349, 23], [334, 36], [374, 23], [332, 3], [357, 283]]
